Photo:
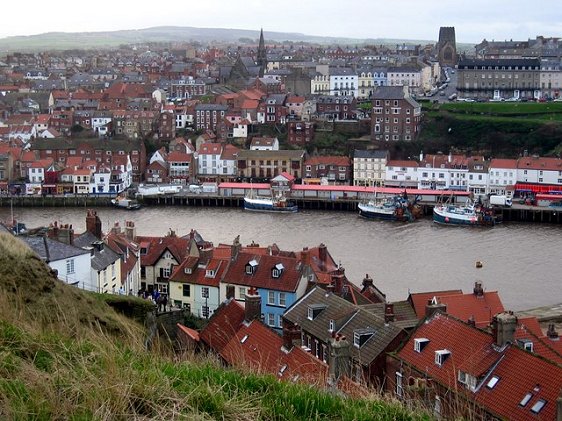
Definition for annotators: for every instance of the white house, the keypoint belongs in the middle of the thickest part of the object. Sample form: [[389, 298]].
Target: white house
[[537, 170], [502, 176], [401, 174], [264, 144], [209, 162], [343, 81], [101, 180], [404, 76], [101, 122]]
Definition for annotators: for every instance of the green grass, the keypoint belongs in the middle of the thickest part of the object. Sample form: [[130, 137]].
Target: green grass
[[503, 108], [73, 357]]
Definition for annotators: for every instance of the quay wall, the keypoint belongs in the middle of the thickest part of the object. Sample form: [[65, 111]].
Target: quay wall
[[516, 213]]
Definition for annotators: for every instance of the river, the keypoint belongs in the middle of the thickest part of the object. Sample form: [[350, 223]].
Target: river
[[521, 261]]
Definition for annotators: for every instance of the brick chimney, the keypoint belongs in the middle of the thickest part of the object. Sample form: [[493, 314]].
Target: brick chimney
[[471, 321], [323, 252], [61, 233], [388, 312], [503, 328], [478, 290], [339, 359], [116, 228], [93, 223], [235, 248], [130, 230], [252, 305], [433, 307], [305, 256], [367, 282], [291, 333], [337, 282], [551, 333]]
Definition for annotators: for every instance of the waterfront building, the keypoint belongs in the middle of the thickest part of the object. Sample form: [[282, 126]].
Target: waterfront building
[[268, 164], [396, 116], [123, 244], [502, 176], [401, 173], [334, 169], [179, 167], [369, 167], [545, 173]]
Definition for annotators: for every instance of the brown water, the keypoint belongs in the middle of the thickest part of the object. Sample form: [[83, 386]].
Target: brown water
[[521, 261]]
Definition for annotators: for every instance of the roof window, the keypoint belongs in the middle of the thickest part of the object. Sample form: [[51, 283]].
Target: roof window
[[361, 336], [420, 344], [493, 381], [526, 399], [538, 406], [441, 356]]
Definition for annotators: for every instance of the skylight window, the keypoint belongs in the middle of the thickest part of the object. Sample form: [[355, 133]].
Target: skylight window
[[244, 339], [526, 399], [493, 381], [538, 406]]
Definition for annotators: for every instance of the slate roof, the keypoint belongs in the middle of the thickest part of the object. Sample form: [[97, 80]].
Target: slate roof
[[348, 319], [51, 250], [370, 153], [389, 92]]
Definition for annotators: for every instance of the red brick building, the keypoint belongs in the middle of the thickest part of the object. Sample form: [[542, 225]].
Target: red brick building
[[300, 132], [396, 116]]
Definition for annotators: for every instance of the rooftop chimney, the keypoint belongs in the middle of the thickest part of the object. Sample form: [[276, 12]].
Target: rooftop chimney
[[93, 223], [478, 290], [130, 230], [305, 256], [235, 248], [116, 228], [388, 312], [252, 305], [433, 307], [551, 333], [503, 327], [339, 359], [367, 282], [323, 252], [471, 321], [330, 288], [291, 333]]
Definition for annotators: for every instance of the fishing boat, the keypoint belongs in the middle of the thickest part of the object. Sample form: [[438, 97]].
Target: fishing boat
[[470, 214], [269, 204], [395, 208], [127, 204]]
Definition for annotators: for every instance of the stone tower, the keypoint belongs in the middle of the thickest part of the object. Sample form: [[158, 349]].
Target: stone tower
[[262, 55], [447, 46]]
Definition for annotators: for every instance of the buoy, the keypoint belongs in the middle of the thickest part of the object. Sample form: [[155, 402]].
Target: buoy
[[478, 264]]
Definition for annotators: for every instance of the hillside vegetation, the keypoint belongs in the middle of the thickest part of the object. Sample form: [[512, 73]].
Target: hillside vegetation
[[493, 129], [65, 354]]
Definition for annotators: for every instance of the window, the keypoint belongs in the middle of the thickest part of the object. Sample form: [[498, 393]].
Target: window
[[70, 266], [361, 336], [314, 310], [420, 344], [399, 387], [242, 292], [271, 298], [282, 299], [205, 311], [441, 356], [536, 408], [271, 319], [205, 292], [526, 399], [332, 326], [166, 272], [493, 381]]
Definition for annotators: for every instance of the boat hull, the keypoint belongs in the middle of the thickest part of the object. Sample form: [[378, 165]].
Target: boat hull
[[268, 206], [371, 214], [447, 218]]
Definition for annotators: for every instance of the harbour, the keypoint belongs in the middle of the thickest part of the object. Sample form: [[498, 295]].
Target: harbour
[[520, 260]]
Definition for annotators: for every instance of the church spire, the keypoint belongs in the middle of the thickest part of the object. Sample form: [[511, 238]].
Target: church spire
[[262, 55]]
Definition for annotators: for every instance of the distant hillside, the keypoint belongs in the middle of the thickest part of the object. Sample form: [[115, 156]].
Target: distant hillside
[[67, 40]]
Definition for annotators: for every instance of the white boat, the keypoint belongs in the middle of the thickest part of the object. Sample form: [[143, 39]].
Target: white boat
[[396, 208], [468, 214], [127, 204], [269, 204]]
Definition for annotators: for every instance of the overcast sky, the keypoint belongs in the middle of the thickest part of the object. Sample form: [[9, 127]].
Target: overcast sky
[[399, 19]]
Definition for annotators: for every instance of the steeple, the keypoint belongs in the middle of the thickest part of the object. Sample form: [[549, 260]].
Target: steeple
[[262, 55]]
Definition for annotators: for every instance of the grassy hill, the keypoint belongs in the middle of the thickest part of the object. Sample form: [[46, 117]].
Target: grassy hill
[[494, 129], [65, 354]]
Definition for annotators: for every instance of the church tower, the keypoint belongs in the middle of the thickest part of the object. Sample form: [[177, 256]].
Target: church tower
[[447, 46], [262, 55]]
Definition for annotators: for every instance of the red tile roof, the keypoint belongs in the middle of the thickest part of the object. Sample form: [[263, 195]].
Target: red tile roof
[[410, 164], [503, 163], [223, 325], [473, 352], [329, 160], [176, 156], [538, 163], [210, 149], [156, 246]]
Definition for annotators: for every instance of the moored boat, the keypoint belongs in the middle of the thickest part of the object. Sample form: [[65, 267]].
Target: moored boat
[[396, 208], [269, 204], [127, 204], [469, 214]]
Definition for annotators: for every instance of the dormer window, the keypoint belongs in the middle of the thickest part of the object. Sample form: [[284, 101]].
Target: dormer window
[[441, 356], [361, 336], [209, 273], [143, 250], [332, 326], [526, 344], [187, 271], [420, 344], [277, 270], [314, 310], [251, 267]]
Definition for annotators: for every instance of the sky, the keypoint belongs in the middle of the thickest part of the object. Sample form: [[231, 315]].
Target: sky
[[473, 20]]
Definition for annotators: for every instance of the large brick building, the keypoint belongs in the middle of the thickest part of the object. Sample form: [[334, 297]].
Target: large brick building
[[396, 116], [268, 164]]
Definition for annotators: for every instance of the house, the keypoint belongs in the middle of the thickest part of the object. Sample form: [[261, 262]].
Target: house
[[300, 132], [320, 315], [340, 107], [502, 176], [335, 169], [461, 371], [272, 110], [207, 116], [396, 115], [477, 307], [72, 264], [264, 144], [268, 164], [179, 167], [401, 173], [276, 276], [235, 333], [156, 172], [209, 164], [369, 167]]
